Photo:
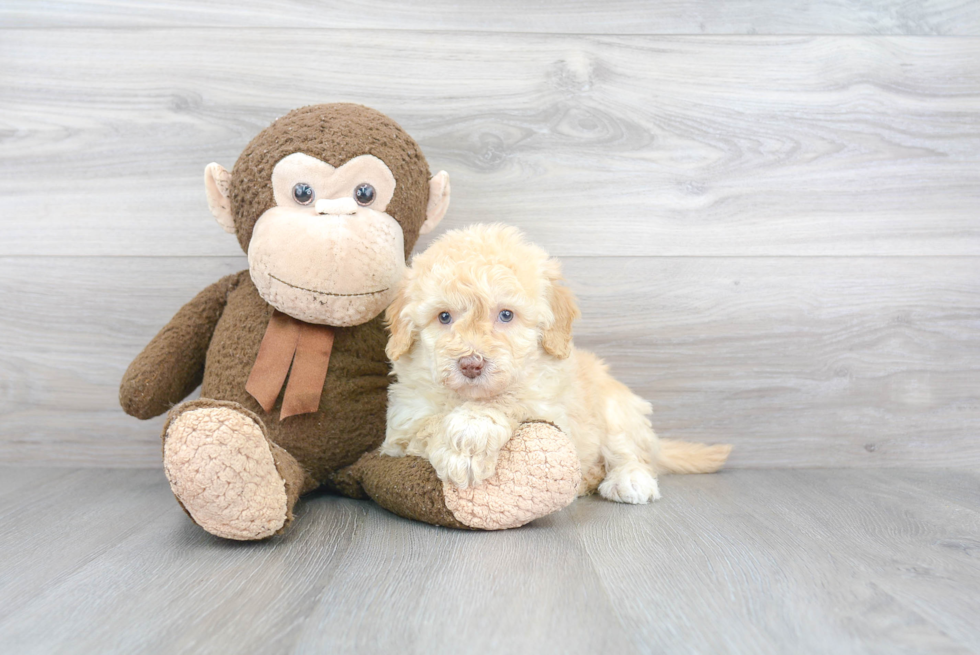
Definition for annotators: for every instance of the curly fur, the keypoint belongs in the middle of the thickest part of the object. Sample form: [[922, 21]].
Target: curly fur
[[531, 370]]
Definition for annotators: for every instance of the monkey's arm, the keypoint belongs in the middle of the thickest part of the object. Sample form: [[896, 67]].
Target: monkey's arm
[[172, 364]]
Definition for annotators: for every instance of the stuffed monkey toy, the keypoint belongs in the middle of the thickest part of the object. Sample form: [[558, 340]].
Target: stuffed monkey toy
[[290, 354]]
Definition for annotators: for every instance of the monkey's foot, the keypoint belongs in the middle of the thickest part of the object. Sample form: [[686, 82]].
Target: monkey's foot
[[538, 473], [222, 471]]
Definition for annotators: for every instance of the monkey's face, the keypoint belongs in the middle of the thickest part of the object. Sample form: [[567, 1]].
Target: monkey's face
[[328, 252], [328, 202]]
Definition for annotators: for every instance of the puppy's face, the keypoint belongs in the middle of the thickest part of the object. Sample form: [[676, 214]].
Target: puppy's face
[[477, 307], [477, 332]]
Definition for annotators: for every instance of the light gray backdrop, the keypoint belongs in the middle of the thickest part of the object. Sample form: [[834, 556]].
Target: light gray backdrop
[[770, 211]]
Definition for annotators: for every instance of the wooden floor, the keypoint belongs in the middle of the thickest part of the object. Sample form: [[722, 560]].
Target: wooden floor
[[802, 561]]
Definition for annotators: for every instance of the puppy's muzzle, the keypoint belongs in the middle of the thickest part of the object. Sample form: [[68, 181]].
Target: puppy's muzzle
[[471, 366]]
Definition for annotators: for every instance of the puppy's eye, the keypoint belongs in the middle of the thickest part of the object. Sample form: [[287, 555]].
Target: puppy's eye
[[303, 193], [506, 316], [364, 194], [445, 318]]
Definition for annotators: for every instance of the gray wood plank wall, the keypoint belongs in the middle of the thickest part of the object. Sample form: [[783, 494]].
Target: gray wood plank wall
[[770, 211]]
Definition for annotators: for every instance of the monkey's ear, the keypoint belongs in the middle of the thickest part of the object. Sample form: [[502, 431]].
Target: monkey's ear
[[438, 201], [557, 337], [400, 324], [217, 182]]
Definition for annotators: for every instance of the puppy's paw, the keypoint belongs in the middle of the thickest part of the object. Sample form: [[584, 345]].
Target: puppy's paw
[[462, 470], [466, 449], [474, 433], [632, 483], [392, 449]]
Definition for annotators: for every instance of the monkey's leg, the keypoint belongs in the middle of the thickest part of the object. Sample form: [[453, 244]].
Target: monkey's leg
[[226, 474], [537, 473]]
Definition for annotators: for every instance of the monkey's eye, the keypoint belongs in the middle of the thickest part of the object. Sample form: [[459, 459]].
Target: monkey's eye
[[364, 194], [506, 316], [303, 193], [445, 318]]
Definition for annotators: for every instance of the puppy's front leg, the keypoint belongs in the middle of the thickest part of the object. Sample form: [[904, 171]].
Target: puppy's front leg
[[472, 436], [410, 437]]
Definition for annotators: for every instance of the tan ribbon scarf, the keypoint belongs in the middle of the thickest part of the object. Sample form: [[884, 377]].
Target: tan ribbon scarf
[[290, 341]]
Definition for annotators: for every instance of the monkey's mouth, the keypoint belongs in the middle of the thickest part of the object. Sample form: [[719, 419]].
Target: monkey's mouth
[[327, 293]]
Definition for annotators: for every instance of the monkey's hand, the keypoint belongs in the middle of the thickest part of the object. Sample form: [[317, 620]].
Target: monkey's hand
[[172, 364], [467, 449]]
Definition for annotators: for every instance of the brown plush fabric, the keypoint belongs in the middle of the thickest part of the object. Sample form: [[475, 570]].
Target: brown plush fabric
[[332, 133], [172, 364], [214, 339], [351, 417], [296, 479], [407, 486]]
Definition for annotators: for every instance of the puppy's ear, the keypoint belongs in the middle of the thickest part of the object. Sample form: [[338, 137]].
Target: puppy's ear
[[557, 338], [400, 325]]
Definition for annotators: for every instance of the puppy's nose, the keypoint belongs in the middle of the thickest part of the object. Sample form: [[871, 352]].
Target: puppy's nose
[[471, 366]]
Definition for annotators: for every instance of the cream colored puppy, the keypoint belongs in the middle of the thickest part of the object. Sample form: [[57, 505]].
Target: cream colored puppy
[[481, 340]]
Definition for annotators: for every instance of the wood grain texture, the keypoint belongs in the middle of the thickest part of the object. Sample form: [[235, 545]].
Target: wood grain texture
[[798, 361], [605, 145], [14, 478], [873, 554], [774, 238], [575, 16], [514, 583], [740, 562], [40, 547]]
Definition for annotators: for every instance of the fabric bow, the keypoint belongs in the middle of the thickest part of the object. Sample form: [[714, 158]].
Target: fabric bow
[[303, 345]]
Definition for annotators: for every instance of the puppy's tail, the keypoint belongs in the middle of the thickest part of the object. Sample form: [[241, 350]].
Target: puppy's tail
[[687, 457]]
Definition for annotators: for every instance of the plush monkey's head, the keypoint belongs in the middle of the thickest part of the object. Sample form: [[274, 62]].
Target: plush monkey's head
[[328, 202]]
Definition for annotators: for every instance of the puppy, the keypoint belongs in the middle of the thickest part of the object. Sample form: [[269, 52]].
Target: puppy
[[481, 340]]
